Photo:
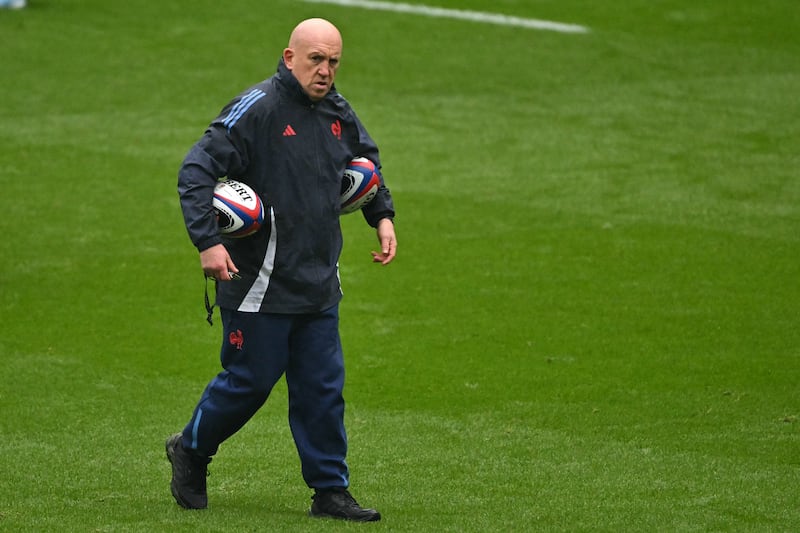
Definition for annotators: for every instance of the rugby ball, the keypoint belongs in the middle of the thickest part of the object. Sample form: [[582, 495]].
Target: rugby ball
[[359, 184], [239, 209]]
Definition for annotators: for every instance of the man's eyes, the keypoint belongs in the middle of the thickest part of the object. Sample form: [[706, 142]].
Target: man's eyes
[[333, 62]]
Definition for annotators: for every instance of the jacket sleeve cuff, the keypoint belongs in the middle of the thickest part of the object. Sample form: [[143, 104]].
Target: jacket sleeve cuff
[[205, 244], [373, 219]]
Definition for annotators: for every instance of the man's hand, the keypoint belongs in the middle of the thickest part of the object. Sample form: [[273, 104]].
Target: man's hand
[[388, 242], [216, 263]]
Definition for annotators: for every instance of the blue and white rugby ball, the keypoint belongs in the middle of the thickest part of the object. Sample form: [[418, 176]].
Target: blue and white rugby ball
[[359, 184], [239, 209]]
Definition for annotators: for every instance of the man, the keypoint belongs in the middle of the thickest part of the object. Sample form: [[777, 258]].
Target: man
[[289, 138]]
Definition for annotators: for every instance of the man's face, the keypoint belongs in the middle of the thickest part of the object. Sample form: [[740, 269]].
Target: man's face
[[314, 63]]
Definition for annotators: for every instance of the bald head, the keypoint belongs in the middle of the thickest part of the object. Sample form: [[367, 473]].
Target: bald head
[[311, 30], [313, 56]]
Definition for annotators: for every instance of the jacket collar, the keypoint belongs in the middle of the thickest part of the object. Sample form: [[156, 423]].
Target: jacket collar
[[287, 79]]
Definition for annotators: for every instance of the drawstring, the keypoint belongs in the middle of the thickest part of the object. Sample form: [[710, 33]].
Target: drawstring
[[209, 307]]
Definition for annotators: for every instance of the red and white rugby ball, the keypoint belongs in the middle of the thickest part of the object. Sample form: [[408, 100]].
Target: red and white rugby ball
[[359, 184], [239, 209]]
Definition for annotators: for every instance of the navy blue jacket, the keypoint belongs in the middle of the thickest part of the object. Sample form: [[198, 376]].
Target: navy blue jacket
[[292, 152]]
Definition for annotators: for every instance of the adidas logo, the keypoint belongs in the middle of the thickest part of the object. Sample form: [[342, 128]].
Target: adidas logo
[[289, 131]]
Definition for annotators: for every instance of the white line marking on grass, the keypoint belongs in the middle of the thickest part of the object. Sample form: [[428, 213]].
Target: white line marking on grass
[[461, 14]]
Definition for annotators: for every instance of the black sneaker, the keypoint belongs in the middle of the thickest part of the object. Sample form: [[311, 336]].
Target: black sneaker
[[338, 503], [189, 473]]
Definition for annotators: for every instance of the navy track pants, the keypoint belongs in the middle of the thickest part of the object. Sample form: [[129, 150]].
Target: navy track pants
[[257, 349]]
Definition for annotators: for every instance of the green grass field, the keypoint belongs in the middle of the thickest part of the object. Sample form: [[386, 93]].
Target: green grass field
[[593, 323]]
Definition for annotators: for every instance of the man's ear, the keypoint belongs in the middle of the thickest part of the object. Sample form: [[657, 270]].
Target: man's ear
[[288, 57]]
